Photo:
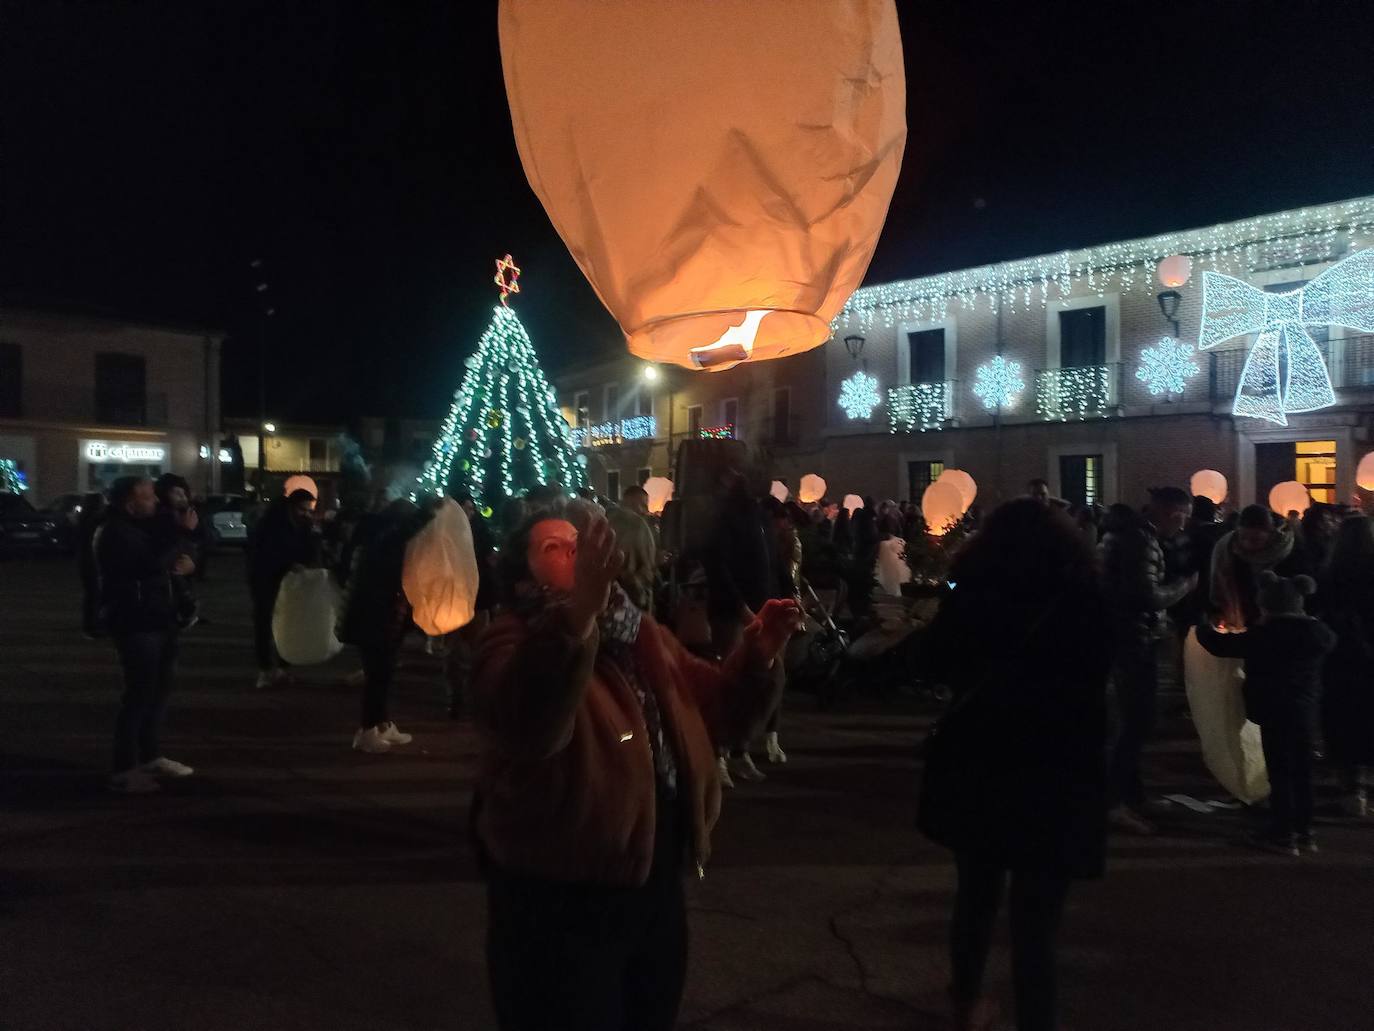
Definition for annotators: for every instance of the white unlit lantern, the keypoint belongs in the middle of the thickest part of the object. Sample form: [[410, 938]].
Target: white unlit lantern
[[812, 489], [300, 482], [439, 574], [852, 503], [1289, 496], [779, 490], [942, 506], [963, 483], [1174, 271], [660, 491], [1364, 472], [1208, 483]]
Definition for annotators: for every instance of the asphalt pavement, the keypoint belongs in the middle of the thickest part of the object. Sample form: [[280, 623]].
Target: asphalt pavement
[[293, 884]]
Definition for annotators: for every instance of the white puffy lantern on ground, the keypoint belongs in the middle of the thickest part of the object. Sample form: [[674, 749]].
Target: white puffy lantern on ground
[[811, 489], [941, 506], [720, 171], [1364, 472], [1289, 496], [660, 491], [439, 576], [1174, 271], [963, 483], [1208, 483], [300, 482], [779, 490], [304, 617], [852, 503]]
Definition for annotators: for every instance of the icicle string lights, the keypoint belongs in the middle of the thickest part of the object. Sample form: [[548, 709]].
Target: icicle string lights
[[640, 427], [1286, 238], [918, 407], [1082, 392]]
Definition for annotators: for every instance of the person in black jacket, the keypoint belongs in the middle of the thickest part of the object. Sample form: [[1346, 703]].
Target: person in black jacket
[[1014, 781], [1348, 694], [1138, 596], [283, 538], [137, 555], [1284, 654]]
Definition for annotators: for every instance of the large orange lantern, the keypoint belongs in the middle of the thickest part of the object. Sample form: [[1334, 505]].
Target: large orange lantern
[[660, 491], [1290, 496], [720, 171], [1174, 271], [1364, 472], [300, 482], [963, 483], [1208, 483], [811, 489], [942, 506]]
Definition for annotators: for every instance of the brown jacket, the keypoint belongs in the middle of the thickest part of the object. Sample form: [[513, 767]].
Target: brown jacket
[[566, 789]]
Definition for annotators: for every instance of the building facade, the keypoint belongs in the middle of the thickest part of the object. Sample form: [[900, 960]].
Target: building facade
[[1054, 367], [86, 399]]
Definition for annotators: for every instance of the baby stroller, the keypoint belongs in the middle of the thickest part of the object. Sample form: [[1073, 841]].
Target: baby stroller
[[814, 655]]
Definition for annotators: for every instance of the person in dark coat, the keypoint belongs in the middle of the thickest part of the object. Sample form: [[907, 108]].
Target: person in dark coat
[[464, 642], [283, 538], [1259, 541], [1138, 594], [137, 554], [1348, 695], [1284, 654], [376, 616], [94, 508], [174, 505], [1014, 781]]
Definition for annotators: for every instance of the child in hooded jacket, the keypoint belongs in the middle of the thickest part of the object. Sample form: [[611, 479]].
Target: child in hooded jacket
[[1283, 656]]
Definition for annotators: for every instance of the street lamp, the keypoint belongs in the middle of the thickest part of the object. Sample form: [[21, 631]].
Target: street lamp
[[854, 345], [650, 374], [269, 427], [1168, 306]]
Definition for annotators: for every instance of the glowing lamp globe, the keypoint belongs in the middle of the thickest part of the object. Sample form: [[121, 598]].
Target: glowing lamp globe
[[942, 506], [811, 489], [719, 171], [1289, 496], [1174, 271], [299, 482], [1364, 472], [779, 490], [1208, 483], [660, 491], [852, 503], [963, 483]]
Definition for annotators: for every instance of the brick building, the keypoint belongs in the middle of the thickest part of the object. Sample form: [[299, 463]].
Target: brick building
[[1078, 326], [85, 399]]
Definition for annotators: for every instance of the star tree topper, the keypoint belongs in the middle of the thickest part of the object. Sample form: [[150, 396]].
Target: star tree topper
[[507, 278]]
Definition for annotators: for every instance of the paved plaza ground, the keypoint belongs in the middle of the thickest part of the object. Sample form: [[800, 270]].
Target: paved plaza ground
[[293, 884]]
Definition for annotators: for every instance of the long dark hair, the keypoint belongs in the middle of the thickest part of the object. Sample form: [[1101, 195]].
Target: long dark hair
[[1026, 548]]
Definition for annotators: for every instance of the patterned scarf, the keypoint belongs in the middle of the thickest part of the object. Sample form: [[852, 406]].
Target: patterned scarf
[[619, 626]]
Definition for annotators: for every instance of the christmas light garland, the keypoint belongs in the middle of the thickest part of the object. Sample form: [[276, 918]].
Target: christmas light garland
[[1083, 392], [12, 481], [639, 427], [917, 407]]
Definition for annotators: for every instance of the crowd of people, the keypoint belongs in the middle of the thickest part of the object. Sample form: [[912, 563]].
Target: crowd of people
[[622, 665]]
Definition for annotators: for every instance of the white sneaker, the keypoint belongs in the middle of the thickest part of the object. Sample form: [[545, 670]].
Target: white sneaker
[[162, 766], [745, 768], [134, 782], [370, 740], [775, 752], [392, 735], [723, 769]]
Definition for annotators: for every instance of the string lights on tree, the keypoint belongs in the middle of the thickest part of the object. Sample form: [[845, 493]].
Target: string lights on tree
[[859, 395], [998, 383], [12, 481], [504, 432], [1166, 367]]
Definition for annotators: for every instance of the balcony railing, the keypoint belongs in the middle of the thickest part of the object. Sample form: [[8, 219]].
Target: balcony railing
[[1077, 392], [917, 407], [1349, 360], [639, 427]]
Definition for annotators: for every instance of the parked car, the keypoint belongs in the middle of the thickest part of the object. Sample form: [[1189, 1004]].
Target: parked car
[[225, 512], [24, 528], [65, 511]]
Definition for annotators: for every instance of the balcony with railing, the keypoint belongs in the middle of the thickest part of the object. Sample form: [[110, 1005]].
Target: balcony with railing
[[1349, 361], [917, 407], [618, 431], [1078, 392]]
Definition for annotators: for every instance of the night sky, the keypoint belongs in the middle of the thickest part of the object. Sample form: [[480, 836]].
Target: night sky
[[364, 152]]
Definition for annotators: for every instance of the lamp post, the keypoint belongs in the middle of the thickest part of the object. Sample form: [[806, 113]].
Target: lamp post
[[1168, 306]]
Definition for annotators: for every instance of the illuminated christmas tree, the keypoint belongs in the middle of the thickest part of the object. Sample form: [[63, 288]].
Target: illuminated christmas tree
[[504, 432], [11, 479]]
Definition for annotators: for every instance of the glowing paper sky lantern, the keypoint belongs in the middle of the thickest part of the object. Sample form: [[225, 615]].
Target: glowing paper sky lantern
[[852, 503], [1364, 472], [779, 490], [1209, 484], [660, 491], [300, 482], [942, 506], [963, 483], [720, 171], [1174, 271], [1289, 496], [812, 488]]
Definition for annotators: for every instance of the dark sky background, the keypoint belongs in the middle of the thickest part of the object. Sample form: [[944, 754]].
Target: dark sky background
[[149, 150]]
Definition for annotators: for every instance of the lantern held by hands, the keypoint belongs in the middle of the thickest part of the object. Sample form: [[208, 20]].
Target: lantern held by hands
[[1289, 496], [439, 575], [300, 482], [941, 506], [720, 172], [660, 491], [1208, 483], [779, 490], [963, 483], [811, 489], [852, 503]]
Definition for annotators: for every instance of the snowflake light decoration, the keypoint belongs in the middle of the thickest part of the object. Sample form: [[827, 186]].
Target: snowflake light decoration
[[859, 395], [998, 383], [1167, 367]]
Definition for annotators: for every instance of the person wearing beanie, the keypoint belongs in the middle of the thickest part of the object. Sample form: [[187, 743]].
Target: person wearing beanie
[[1284, 653]]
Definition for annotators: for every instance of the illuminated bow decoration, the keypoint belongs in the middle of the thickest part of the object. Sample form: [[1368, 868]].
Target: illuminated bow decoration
[[1285, 371]]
